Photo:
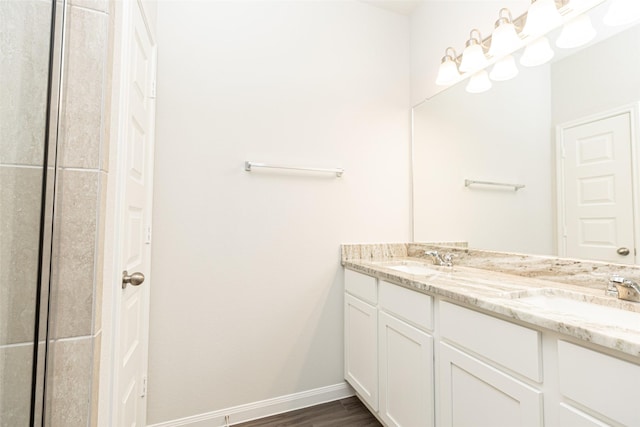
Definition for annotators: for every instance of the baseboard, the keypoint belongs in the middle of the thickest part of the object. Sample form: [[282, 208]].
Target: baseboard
[[264, 408]]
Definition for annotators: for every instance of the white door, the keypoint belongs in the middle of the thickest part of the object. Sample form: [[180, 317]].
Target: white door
[[406, 374], [597, 202], [135, 221]]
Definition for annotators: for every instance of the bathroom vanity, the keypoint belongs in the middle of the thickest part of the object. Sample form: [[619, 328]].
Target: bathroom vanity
[[429, 345]]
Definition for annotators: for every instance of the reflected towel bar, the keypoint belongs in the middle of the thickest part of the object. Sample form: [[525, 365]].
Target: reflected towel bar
[[249, 165], [516, 187]]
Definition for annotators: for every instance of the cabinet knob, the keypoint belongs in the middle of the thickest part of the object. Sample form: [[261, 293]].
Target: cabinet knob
[[623, 251]]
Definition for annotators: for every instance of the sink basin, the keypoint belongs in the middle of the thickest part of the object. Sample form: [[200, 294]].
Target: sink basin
[[575, 306], [417, 269]]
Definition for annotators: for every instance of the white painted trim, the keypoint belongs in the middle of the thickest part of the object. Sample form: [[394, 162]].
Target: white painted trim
[[634, 113], [263, 408], [108, 407]]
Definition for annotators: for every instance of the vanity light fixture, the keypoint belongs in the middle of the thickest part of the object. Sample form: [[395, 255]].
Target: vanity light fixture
[[576, 32], [479, 82], [504, 39], [504, 69], [473, 57], [537, 53], [542, 16], [622, 12], [448, 73]]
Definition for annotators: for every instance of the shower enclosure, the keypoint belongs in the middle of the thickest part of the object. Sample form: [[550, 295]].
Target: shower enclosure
[[30, 52]]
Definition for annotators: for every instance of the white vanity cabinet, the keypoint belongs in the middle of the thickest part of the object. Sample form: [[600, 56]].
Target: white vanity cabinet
[[479, 359], [388, 350], [405, 357], [422, 361], [361, 336], [605, 386]]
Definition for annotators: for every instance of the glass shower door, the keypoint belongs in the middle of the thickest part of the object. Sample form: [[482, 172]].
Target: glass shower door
[[25, 64]]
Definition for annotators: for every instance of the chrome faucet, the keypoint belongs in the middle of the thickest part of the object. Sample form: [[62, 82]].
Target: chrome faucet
[[623, 288], [438, 259]]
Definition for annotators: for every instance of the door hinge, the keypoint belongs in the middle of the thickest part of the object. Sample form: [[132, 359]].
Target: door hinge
[[147, 237], [144, 387], [153, 89]]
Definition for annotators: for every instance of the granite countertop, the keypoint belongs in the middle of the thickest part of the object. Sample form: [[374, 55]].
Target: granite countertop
[[506, 294]]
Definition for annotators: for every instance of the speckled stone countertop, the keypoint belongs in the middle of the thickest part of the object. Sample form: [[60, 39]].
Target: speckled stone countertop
[[500, 283]]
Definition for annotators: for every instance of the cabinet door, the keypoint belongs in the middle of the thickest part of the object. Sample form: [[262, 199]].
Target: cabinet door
[[361, 348], [572, 417], [474, 394], [406, 374]]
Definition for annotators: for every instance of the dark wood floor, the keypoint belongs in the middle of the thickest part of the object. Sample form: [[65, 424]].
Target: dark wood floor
[[349, 412]]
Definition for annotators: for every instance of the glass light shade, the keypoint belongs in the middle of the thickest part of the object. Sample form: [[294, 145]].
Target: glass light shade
[[479, 82], [576, 32], [542, 16], [473, 58], [504, 69], [447, 73], [537, 53], [622, 12], [581, 6], [504, 40]]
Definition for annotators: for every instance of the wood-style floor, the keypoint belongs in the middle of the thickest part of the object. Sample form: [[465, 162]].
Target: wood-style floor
[[349, 412]]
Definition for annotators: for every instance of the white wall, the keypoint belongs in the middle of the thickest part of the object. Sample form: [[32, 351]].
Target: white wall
[[599, 78], [503, 135], [247, 289], [436, 25]]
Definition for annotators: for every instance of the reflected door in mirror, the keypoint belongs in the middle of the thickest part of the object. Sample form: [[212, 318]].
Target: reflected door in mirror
[[597, 196]]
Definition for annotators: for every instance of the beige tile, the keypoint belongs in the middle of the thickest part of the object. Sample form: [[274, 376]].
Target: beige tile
[[108, 88], [15, 384], [82, 104], [20, 193], [70, 400], [25, 64], [95, 379], [96, 5], [97, 311], [74, 253]]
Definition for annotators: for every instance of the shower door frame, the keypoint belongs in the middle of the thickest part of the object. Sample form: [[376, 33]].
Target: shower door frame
[[41, 335]]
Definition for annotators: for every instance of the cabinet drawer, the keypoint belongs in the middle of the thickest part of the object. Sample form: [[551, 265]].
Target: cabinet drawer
[[600, 382], [361, 285], [412, 306], [512, 346]]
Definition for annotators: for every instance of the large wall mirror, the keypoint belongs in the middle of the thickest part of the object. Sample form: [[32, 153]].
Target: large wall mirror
[[548, 129]]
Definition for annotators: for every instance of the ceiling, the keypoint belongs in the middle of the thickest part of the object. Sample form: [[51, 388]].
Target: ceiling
[[404, 7]]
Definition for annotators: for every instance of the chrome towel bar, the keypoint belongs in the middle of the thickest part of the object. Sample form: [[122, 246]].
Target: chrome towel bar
[[516, 187], [249, 165]]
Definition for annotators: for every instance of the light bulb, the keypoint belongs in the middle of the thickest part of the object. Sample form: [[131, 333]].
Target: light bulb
[[542, 16], [504, 69], [479, 82], [473, 58], [504, 39], [448, 72], [622, 12], [537, 53], [576, 32]]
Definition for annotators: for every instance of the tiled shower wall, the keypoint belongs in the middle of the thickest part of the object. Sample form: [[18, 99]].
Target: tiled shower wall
[[24, 39], [79, 217], [76, 286]]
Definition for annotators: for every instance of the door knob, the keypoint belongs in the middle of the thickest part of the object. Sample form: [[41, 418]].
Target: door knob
[[134, 279], [623, 251]]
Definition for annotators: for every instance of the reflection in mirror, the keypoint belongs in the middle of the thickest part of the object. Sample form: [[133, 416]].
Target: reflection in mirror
[[512, 134]]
